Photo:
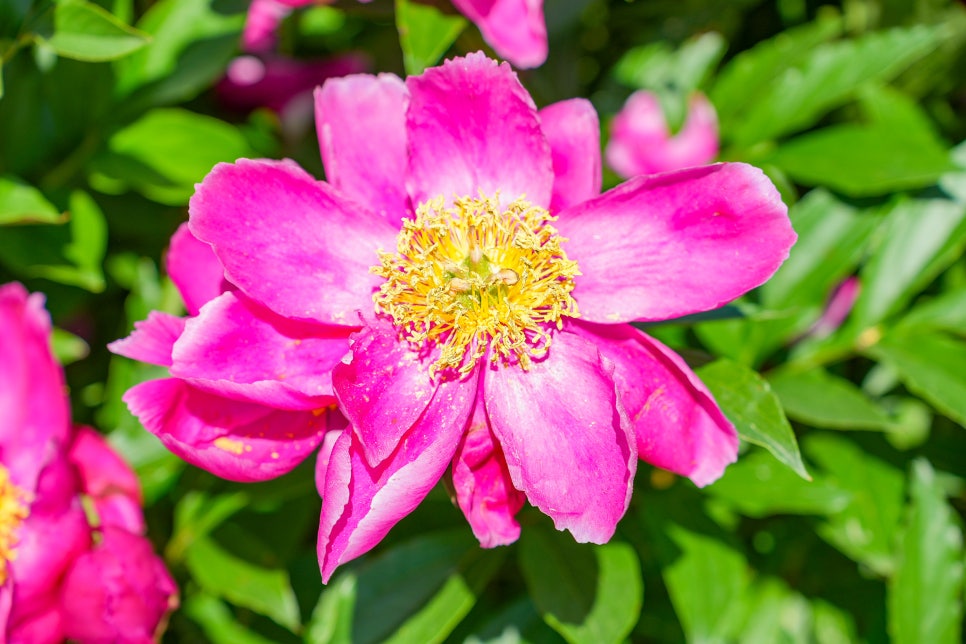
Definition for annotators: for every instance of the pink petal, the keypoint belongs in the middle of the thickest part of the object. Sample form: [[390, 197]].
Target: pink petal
[[483, 487], [108, 480], [152, 340], [641, 142], [45, 626], [49, 542], [678, 424], [34, 414], [261, 23], [668, 245], [278, 82], [118, 591], [567, 441], [236, 349], [231, 439], [361, 123], [361, 503], [194, 269], [573, 131], [382, 390], [514, 28], [289, 242], [474, 128]]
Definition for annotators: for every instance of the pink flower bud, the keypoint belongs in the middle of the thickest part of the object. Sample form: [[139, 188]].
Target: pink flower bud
[[119, 591]]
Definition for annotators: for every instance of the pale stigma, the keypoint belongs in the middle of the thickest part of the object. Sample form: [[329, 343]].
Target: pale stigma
[[478, 279]]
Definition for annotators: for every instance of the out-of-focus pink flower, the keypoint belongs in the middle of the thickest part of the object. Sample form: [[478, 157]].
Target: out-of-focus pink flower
[[488, 286], [641, 142], [515, 29], [839, 306], [118, 591], [46, 467], [283, 85]]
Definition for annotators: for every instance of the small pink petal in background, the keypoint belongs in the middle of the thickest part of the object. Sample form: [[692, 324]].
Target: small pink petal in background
[[642, 143]]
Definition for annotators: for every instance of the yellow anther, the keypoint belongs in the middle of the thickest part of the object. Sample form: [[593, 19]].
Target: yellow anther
[[13, 510], [476, 279]]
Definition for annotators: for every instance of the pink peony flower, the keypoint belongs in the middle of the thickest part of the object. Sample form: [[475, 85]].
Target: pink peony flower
[[488, 288], [46, 467], [118, 591], [514, 28], [641, 142]]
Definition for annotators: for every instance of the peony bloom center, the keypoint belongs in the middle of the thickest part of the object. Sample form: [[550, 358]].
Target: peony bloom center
[[476, 279], [13, 510]]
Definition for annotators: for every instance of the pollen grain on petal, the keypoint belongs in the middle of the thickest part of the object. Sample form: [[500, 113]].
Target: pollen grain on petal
[[478, 279]]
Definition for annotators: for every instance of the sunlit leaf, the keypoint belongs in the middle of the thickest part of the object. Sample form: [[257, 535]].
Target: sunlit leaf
[[749, 403], [442, 572], [658, 66], [21, 203], [931, 366], [919, 238], [863, 160], [217, 621], [820, 399], [192, 43], [750, 74], [587, 594], [425, 33], [866, 527], [925, 593], [85, 31], [267, 591], [827, 77], [758, 485], [161, 155]]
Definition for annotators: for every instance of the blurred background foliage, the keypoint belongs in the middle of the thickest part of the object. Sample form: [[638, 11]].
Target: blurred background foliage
[[856, 110]]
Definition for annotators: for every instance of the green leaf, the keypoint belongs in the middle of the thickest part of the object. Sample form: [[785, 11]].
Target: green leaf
[[828, 77], [919, 238], [196, 515], [425, 33], [331, 619], [758, 486], [925, 593], [705, 574], [68, 347], [86, 248], [831, 240], [748, 402], [657, 66], [749, 75], [931, 366], [217, 621], [863, 160], [192, 43], [778, 614], [21, 203], [267, 591], [820, 399], [866, 527], [85, 31], [442, 572], [165, 153], [585, 593], [945, 312]]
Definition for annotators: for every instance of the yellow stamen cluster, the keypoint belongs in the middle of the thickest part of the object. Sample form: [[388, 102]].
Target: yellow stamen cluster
[[476, 277], [13, 510]]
